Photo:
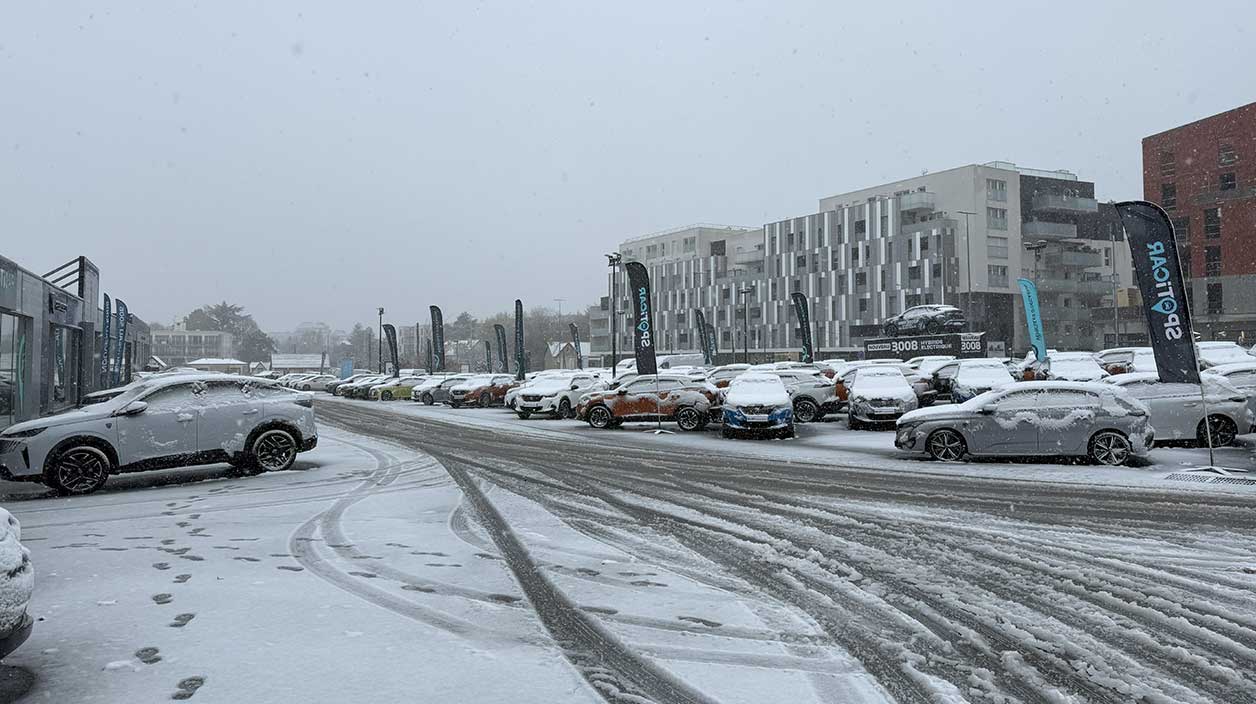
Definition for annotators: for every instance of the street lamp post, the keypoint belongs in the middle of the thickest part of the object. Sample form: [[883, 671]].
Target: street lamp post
[[613, 260], [381, 340], [745, 322], [968, 265]]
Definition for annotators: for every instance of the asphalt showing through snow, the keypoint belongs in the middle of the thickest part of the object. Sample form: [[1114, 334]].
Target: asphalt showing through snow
[[968, 587]]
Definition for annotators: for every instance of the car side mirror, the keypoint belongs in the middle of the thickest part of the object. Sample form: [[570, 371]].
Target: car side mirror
[[986, 410], [621, 391], [133, 408], [575, 387]]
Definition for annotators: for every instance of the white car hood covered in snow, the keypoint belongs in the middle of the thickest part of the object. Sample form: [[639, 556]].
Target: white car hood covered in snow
[[895, 386], [1076, 370], [756, 389], [983, 376], [70, 417]]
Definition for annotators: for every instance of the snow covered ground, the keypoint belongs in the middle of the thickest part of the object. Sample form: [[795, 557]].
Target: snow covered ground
[[830, 443]]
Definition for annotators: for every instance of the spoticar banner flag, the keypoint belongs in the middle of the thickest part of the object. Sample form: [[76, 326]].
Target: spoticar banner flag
[[520, 371], [106, 343], [715, 341], [120, 342], [438, 339], [575, 341], [643, 313], [804, 321], [708, 356], [431, 363], [500, 331], [1159, 272], [390, 334], [418, 337], [488, 356], [1033, 317]]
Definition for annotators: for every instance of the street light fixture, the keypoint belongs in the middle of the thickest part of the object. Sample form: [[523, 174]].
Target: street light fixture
[[613, 261]]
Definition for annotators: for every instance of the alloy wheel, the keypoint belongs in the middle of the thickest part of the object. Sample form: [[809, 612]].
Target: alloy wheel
[[1222, 428], [805, 410], [688, 419], [82, 470], [600, 417], [564, 409], [274, 450], [1110, 448], [947, 446]]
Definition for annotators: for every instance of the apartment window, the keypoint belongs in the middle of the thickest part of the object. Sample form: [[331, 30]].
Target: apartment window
[[889, 251], [1212, 223], [841, 283], [937, 271], [789, 241], [1168, 196], [835, 260], [1107, 256], [797, 285], [718, 248], [996, 247], [801, 261], [689, 244], [772, 290], [725, 293], [1212, 261], [861, 227], [997, 275], [773, 239], [1068, 329], [885, 225], [1214, 299], [912, 299], [1068, 302], [996, 190], [913, 273], [1228, 183], [1182, 229], [854, 255], [1226, 154], [863, 305], [1168, 164], [824, 240], [997, 217], [861, 278], [924, 243], [838, 230]]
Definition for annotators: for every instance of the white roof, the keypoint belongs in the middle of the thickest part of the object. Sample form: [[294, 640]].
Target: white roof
[[216, 362], [296, 361]]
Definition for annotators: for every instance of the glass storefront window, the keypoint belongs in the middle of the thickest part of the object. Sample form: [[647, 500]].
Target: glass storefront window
[[65, 353], [12, 364]]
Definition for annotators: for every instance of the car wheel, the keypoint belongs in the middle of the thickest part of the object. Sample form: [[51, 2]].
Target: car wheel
[[1109, 447], [564, 409], [933, 327], [891, 330], [273, 450], [805, 410], [485, 399], [386, 396], [523, 415], [787, 433], [689, 419], [600, 417], [78, 470], [853, 423], [946, 445], [427, 399], [1223, 431]]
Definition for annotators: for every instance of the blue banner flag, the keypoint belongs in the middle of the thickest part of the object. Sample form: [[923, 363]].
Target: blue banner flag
[[1033, 318]]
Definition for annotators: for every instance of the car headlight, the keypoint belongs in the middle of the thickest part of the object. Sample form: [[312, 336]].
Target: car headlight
[[23, 433]]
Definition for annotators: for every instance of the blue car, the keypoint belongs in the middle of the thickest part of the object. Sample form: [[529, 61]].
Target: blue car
[[757, 403]]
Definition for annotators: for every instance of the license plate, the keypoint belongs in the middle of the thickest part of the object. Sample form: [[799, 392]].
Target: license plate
[[757, 419], [885, 411]]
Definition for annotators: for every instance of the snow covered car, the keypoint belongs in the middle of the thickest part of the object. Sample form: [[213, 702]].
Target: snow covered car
[[556, 395], [397, 387], [1177, 411], [1034, 418], [720, 377], [1069, 366], [1243, 376], [164, 422], [878, 394], [481, 390], [1123, 360], [931, 319], [17, 583], [332, 386], [813, 394], [317, 382], [931, 361], [350, 388], [757, 402], [681, 398], [974, 377], [435, 389], [1212, 354]]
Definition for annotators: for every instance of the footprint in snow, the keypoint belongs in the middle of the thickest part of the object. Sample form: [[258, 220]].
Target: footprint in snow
[[246, 559], [280, 554], [368, 575], [168, 541], [93, 535], [443, 564], [138, 537], [433, 554], [183, 524], [161, 565], [225, 547], [187, 687], [638, 574], [418, 588], [114, 549], [700, 621], [148, 656], [599, 610], [244, 540], [181, 620], [503, 598], [194, 516], [163, 598], [193, 558], [167, 513], [486, 556], [646, 583], [587, 572], [180, 579], [290, 568], [397, 545]]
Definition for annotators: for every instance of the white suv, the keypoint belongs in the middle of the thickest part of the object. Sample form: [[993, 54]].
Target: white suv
[[555, 395], [177, 421]]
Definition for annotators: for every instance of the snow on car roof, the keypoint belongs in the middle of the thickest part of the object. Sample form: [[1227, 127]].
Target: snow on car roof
[[981, 363], [1230, 367]]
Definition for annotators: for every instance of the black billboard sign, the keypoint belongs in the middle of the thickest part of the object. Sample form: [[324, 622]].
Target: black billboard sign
[[958, 344], [708, 355], [575, 341], [1159, 272], [500, 331], [804, 322], [643, 313], [520, 357]]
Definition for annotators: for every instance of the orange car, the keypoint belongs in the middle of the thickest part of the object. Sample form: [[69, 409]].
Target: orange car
[[684, 399], [721, 377], [481, 390]]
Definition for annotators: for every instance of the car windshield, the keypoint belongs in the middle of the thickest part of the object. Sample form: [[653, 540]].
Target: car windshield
[[821, 227]]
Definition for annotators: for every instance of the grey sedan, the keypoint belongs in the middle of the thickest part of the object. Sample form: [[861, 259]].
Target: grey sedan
[[1043, 418]]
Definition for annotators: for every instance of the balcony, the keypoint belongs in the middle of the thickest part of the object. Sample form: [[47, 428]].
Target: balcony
[[1037, 229], [1065, 204], [917, 202], [1094, 287], [1073, 259], [748, 258]]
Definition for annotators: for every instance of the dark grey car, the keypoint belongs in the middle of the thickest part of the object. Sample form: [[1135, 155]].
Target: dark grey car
[[1043, 418]]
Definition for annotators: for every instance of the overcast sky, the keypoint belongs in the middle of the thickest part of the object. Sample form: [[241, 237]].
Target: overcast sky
[[314, 160]]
